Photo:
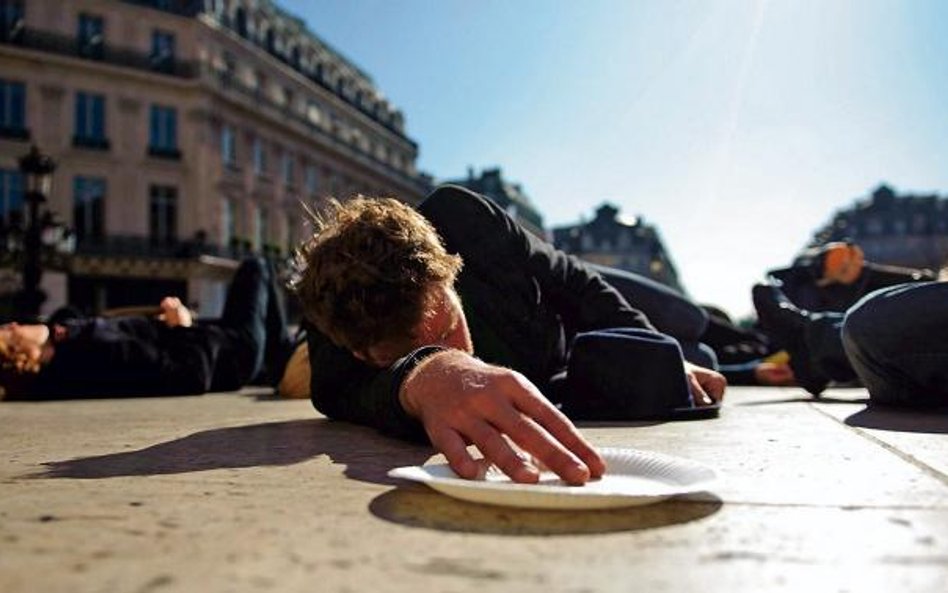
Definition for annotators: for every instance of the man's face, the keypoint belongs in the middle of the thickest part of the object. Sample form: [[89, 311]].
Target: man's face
[[443, 324]]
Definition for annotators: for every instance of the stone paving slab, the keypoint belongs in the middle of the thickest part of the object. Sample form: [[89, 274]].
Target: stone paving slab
[[240, 492]]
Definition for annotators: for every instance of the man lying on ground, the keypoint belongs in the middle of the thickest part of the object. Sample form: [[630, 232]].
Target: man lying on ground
[[169, 354], [464, 338]]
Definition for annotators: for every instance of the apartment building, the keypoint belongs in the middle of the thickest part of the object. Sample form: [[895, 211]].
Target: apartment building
[[898, 229], [187, 133], [508, 195], [629, 244]]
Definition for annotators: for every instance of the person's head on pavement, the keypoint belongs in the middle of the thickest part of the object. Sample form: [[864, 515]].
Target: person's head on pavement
[[378, 281]]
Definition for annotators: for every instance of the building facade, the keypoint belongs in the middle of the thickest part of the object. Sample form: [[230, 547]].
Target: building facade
[[509, 196], [186, 134], [906, 230], [610, 240]]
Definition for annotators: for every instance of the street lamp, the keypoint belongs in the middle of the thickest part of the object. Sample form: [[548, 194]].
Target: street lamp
[[37, 169]]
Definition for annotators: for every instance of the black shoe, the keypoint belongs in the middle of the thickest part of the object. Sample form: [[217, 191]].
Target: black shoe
[[786, 324]]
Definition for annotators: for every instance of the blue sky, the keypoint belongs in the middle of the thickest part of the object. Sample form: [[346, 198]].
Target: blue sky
[[737, 127]]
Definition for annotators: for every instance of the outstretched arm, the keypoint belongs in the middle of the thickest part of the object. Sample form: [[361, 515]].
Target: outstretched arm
[[460, 400]]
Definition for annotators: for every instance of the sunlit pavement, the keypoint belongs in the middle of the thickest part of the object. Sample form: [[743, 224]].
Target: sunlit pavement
[[240, 492]]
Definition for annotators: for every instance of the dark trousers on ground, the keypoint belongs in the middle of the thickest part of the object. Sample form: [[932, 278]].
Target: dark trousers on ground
[[895, 340]]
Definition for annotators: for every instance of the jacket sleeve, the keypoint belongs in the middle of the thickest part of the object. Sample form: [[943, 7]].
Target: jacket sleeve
[[345, 388], [579, 294]]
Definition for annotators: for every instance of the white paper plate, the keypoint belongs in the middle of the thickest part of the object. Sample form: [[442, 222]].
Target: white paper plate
[[632, 478]]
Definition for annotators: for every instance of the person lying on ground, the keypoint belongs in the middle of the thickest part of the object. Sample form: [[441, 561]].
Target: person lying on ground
[[828, 278], [453, 323], [169, 354], [894, 341]]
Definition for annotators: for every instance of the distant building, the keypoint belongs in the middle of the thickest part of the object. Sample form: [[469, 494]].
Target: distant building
[[510, 197], [185, 128], [907, 230], [610, 240]]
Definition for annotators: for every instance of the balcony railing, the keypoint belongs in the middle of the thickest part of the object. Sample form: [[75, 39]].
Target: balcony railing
[[137, 246], [179, 7], [91, 143], [71, 46], [134, 246], [164, 152], [14, 133]]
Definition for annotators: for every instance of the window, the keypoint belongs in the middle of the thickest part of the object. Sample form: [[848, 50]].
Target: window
[[312, 179], [91, 36], [162, 51], [290, 234], [259, 157], [13, 110], [88, 208], [228, 146], [228, 223], [90, 121], [241, 22], [313, 113], [163, 214], [11, 20], [11, 194], [260, 227], [229, 64], [288, 172], [163, 132]]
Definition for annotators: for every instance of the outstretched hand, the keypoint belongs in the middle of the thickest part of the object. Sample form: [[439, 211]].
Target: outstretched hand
[[707, 386], [461, 400]]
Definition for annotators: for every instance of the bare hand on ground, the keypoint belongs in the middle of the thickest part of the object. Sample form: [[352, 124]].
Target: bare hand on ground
[[707, 386], [462, 400], [777, 374]]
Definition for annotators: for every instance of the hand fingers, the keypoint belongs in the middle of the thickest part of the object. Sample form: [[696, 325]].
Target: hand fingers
[[715, 385], [701, 398], [454, 449], [557, 426], [497, 449], [548, 452]]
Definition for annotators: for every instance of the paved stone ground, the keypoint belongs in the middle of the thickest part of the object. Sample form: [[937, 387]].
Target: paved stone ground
[[240, 492]]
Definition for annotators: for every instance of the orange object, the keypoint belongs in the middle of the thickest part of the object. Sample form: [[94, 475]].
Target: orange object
[[842, 263]]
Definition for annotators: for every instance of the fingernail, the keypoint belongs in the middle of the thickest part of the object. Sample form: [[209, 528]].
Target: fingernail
[[579, 474], [527, 475]]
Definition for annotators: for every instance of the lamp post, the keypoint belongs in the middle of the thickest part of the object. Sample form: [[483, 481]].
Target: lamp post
[[37, 169]]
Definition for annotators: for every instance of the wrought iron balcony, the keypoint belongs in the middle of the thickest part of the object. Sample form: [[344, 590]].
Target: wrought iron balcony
[[14, 133], [91, 143], [163, 152], [71, 46], [138, 246]]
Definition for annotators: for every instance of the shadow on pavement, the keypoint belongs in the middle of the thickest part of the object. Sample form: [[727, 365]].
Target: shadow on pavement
[[415, 505], [895, 419], [803, 399], [367, 456]]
